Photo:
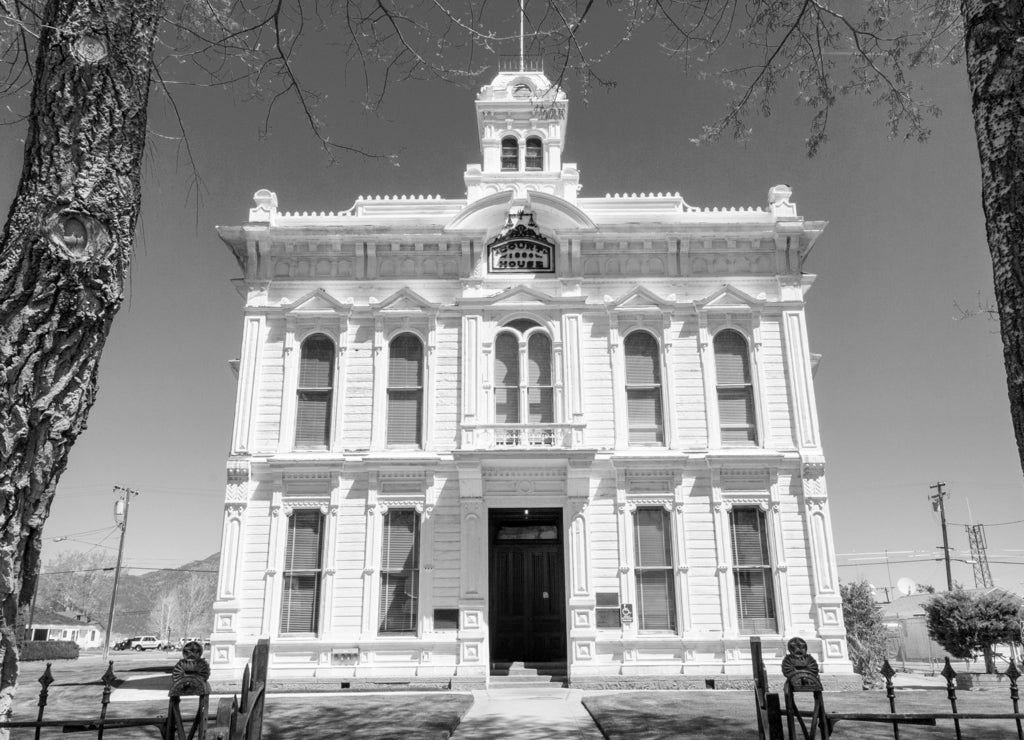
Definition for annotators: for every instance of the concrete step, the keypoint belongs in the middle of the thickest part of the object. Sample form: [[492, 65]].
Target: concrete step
[[519, 668], [528, 682]]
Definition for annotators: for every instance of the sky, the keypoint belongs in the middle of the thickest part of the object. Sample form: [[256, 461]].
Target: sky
[[908, 392]]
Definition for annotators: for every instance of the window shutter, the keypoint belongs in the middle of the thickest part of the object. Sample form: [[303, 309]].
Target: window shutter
[[538, 363], [534, 154], [313, 395], [732, 363], [510, 153], [300, 604], [399, 584], [752, 574], [656, 599], [642, 366], [651, 544], [749, 545], [506, 379], [405, 391]]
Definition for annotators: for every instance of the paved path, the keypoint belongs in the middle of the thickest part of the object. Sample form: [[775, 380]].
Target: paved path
[[527, 714]]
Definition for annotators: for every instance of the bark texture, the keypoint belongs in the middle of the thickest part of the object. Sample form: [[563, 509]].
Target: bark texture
[[994, 37], [64, 255]]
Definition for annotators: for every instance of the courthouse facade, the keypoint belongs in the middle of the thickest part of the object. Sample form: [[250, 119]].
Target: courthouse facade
[[525, 425]]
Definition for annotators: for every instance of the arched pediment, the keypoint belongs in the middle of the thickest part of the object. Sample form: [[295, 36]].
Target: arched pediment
[[488, 213]]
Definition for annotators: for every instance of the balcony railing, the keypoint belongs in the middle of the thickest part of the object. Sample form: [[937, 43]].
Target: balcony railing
[[521, 436]]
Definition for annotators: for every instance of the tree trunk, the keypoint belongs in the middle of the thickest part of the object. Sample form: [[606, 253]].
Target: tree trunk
[[995, 67], [64, 255], [990, 659]]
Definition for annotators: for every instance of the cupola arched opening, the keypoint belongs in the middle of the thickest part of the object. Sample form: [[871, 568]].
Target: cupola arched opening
[[510, 154], [534, 153]]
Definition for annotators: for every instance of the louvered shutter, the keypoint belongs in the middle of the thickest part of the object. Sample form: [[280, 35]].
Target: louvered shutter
[[399, 583], [300, 604], [755, 598], [405, 391], [643, 390], [655, 586], [539, 393], [736, 414], [313, 397], [506, 379]]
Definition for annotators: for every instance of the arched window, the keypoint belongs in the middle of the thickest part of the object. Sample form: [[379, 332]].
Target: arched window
[[510, 154], [522, 375], [735, 390], [643, 390], [314, 392], [405, 391], [534, 153]]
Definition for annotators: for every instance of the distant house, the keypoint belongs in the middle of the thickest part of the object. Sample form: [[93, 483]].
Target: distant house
[[908, 629], [47, 624]]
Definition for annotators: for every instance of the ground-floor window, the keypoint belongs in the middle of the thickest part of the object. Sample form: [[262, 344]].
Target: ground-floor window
[[655, 586], [399, 572], [752, 572], [300, 598]]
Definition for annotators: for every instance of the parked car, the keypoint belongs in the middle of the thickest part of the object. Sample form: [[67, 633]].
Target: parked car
[[146, 642], [123, 644]]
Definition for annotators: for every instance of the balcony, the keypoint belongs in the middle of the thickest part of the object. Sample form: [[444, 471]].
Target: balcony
[[522, 436]]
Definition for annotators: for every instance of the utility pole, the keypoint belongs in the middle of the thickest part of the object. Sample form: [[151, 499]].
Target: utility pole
[[120, 510], [938, 504]]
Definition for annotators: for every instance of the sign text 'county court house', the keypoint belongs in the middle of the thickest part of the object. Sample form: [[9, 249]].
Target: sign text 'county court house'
[[525, 425]]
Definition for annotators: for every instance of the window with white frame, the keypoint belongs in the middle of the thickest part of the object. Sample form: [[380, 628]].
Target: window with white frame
[[405, 391], [399, 572], [655, 584], [523, 391], [510, 154], [735, 390], [314, 393], [534, 153], [643, 389], [752, 571], [303, 567]]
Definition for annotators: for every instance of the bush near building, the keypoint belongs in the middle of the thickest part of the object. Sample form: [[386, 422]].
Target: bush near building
[[865, 633], [49, 650], [968, 625]]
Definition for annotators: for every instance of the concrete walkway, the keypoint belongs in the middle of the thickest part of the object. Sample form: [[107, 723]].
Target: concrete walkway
[[527, 714]]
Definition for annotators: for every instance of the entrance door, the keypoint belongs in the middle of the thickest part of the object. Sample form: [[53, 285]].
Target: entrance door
[[527, 594]]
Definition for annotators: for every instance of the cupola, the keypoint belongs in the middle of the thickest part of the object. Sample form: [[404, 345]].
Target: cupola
[[521, 120]]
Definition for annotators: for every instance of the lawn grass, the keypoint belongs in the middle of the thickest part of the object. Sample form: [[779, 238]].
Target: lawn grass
[[725, 715]]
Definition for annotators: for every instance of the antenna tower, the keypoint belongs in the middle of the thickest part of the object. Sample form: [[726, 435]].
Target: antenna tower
[[979, 555]]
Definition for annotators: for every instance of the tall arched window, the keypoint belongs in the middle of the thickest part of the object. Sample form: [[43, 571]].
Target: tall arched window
[[314, 392], [735, 390], [643, 390], [534, 153], [523, 390], [405, 391], [510, 154]]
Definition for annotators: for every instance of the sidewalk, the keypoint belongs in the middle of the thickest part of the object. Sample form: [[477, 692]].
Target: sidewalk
[[527, 714]]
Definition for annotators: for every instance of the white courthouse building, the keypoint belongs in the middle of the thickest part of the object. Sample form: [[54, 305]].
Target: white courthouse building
[[525, 425]]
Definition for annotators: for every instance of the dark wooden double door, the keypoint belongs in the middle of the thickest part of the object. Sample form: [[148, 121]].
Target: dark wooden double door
[[527, 592]]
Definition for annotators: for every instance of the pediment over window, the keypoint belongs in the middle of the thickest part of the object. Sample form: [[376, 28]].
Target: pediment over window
[[729, 298], [640, 299], [404, 302], [523, 296], [488, 213], [318, 303]]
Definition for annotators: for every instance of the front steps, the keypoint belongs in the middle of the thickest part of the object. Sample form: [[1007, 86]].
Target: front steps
[[520, 675]]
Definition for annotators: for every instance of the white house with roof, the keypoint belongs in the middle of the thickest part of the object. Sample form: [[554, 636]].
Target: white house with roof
[[526, 426]]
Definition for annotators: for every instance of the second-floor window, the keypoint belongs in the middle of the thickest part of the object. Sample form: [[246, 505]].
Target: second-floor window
[[510, 154], [523, 392], [314, 393], [643, 390], [735, 390], [405, 391], [534, 153], [300, 596]]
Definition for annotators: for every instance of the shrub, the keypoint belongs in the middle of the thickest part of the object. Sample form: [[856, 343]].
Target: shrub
[[967, 625], [49, 650], [865, 633]]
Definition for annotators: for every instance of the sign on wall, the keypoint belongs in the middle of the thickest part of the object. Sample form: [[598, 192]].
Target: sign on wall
[[520, 247]]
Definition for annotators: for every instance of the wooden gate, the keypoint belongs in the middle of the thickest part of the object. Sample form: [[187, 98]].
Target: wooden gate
[[236, 719]]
